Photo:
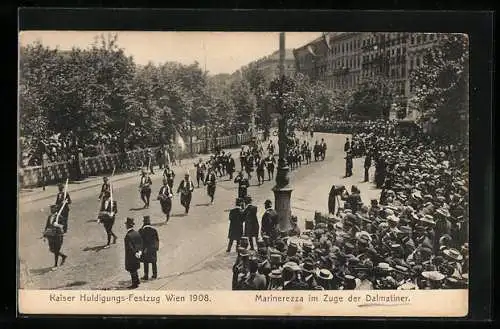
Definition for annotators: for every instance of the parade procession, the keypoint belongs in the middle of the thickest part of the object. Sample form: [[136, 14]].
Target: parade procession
[[176, 177]]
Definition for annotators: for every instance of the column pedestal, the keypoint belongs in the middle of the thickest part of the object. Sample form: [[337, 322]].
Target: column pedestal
[[282, 196]]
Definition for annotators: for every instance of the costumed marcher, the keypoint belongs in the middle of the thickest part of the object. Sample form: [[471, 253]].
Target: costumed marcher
[[251, 222], [133, 252], [54, 234], [145, 188], [211, 183], [261, 167], [106, 187], [243, 185], [150, 246], [270, 164], [186, 188], [165, 197], [107, 215], [169, 174], [230, 166], [236, 219], [200, 171], [63, 200]]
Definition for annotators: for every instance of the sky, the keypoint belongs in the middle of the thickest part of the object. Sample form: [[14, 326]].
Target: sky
[[223, 52]]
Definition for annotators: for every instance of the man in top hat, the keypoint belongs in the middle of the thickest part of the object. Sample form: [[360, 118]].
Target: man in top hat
[[53, 232], [251, 222], [240, 267], [211, 183], [145, 188], [252, 280], [236, 219], [150, 246], [64, 202], [107, 216], [186, 188], [106, 187], [169, 174], [165, 197], [269, 223], [133, 252]]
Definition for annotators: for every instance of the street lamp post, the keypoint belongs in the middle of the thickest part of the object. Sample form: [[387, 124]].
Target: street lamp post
[[282, 190]]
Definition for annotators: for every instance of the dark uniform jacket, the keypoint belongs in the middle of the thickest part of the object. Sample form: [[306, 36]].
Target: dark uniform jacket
[[150, 243], [133, 244], [253, 281], [235, 224], [295, 285], [251, 221], [106, 187], [269, 222]]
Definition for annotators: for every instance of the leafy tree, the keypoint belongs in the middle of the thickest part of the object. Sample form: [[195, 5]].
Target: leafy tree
[[244, 102], [441, 85], [372, 99]]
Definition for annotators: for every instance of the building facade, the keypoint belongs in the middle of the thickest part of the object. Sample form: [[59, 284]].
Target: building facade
[[344, 60], [269, 65]]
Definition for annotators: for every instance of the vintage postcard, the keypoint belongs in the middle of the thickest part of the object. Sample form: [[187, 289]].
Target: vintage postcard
[[243, 173]]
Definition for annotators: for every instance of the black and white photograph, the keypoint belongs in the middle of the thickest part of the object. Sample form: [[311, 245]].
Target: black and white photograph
[[241, 161]]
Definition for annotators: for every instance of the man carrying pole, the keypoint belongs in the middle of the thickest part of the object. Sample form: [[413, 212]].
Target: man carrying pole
[[63, 200]]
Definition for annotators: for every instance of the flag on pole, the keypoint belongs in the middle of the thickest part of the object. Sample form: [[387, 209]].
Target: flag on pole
[[311, 50], [327, 40]]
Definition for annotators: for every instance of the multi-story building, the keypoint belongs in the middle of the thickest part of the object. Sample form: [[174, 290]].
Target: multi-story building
[[354, 57], [269, 65]]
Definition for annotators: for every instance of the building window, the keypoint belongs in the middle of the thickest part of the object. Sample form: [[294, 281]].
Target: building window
[[431, 36], [425, 37], [403, 72], [419, 39], [412, 40], [418, 62]]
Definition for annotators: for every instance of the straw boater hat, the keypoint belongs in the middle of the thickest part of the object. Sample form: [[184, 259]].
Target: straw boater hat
[[384, 267], [428, 219], [408, 286], [433, 275], [443, 212], [453, 254], [275, 274], [325, 274]]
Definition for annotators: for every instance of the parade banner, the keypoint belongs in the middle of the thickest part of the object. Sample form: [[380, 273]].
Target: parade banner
[[369, 303]]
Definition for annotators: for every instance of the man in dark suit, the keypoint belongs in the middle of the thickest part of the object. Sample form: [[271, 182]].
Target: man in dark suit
[[253, 280], [269, 221], [235, 225], [150, 245], [367, 165], [291, 280], [133, 251], [347, 145], [251, 222]]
